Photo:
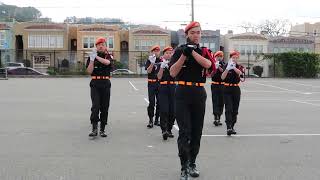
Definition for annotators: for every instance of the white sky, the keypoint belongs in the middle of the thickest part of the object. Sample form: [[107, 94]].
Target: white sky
[[212, 14]]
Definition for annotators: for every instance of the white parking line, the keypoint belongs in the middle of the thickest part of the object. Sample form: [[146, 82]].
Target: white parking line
[[133, 86], [146, 100], [176, 127], [303, 102], [289, 90], [307, 85], [263, 135]]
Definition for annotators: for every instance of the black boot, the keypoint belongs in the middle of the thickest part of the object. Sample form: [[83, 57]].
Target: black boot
[[102, 130], [165, 135], [156, 122], [94, 132], [193, 172], [170, 134], [229, 132], [150, 125], [184, 174]]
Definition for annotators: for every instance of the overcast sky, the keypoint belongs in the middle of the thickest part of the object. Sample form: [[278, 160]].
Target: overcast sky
[[212, 14]]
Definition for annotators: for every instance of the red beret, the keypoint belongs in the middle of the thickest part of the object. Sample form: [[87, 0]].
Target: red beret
[[168, 48], [191, 25], [155, 48], [234, 53], [218, 53], [100, 40]]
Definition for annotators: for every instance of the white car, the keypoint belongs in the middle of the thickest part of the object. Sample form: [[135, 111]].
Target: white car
[[24, 71], [122, 72], [13, 64]]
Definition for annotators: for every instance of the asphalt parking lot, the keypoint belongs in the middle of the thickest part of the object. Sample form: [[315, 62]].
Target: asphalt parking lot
[[45, 125]]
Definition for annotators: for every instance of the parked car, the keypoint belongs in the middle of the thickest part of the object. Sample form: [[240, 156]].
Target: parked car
[[24, 71], [253, 76], [12, 64], [122, 72]]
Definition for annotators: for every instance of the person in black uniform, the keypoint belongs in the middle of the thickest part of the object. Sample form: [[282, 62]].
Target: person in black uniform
[[232, 93], [99, 66], [217, 89], [153, 85], [188, 66], [166, 95]]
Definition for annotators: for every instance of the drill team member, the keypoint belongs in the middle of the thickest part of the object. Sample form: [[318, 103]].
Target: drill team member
[[166, 95], [99, 66], [188, 66], [232, 92], [153, 85], [217, 88]]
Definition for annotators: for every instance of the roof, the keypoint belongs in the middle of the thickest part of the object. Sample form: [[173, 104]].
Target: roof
[[4, 27], [46, 26], [249, 36], [150, 30], [292, 40], [97, 29]]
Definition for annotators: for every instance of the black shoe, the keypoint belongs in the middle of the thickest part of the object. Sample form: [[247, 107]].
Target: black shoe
[[233, 131], [103, 134], [184, 174], [150, 125], [170, 134], [94, 133], [216, 123], [156, 123], [165, 135], [229, 132], [193, 172]]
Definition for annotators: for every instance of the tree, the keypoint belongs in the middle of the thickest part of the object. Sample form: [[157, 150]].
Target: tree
[[274, 27], [21, 14], [25, 14]]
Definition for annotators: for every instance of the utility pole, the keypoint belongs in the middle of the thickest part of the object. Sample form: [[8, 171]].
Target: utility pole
[[192, 10]]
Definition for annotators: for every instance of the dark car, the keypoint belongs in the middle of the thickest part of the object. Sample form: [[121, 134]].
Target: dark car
[[24, 71]]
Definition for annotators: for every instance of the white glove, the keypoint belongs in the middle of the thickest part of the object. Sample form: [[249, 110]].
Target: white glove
[[217, 64], [93, 55], [164, 64], [152, 59], [231, 65]]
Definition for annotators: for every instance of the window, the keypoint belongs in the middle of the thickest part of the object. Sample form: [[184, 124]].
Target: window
[[2, 38], [276, 50], [150, 43], [243, 49], [136, 44], [59, 42], [52, 41], [38, 43], [31, 41], [254, 49], [260, 50], [110, 42], [248, 50], [236, 47], [144, 45], [212, 46], [162, 43], [45, 41], [206, 45], [88, 42]]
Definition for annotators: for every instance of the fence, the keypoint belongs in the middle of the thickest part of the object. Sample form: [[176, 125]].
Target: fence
[[74, 62], [70, 62]]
